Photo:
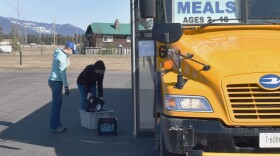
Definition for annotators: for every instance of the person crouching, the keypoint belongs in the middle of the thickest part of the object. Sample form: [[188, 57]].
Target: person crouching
[[90, 79]]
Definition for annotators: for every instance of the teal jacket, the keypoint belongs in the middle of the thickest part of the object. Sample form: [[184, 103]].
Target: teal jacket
[[59, 66]]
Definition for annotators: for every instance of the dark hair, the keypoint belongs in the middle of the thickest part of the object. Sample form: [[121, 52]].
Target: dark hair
[[99, 65]]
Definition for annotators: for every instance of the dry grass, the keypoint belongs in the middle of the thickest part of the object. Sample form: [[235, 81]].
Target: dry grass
[[37, 59]]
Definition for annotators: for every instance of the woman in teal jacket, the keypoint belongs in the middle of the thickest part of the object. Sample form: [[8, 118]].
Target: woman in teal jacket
[[57, 80]]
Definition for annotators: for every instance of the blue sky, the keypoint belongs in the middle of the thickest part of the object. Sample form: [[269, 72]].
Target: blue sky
[[79, 13]]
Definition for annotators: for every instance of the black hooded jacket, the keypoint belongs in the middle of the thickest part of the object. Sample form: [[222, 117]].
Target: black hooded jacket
[[88, 77]]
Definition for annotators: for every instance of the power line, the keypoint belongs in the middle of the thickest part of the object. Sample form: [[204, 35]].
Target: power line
[[7, 9], [9, 5]]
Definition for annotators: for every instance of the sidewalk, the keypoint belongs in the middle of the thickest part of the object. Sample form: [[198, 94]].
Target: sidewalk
[[24, 119]]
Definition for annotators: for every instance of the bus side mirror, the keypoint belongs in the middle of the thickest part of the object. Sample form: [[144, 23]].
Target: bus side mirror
[[147, 8], [167, 33]]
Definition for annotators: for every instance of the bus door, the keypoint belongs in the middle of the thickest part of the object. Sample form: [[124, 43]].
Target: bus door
[[146, 62]]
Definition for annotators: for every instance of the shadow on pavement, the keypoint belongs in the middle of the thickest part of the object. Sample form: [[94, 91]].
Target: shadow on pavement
[[77, 140]]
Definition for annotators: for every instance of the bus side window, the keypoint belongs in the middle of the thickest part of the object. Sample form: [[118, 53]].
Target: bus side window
[[264, 8]]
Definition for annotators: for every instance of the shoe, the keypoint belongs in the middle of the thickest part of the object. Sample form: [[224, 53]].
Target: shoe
[[60, 129]]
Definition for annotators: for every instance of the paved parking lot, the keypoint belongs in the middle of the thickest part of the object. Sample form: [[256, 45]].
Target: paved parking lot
[[24, 119]]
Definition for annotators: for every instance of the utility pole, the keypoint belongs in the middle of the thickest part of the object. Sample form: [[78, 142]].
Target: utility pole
[[41, 42], [26, 36], [76, 36], [18, 36], [54, 33]]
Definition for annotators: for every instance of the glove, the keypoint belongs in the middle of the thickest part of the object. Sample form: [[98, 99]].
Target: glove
[[66, 91], [89, 95]]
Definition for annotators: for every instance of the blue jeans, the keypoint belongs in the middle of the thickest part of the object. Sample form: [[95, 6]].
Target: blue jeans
[[56, 87], [83, 95]]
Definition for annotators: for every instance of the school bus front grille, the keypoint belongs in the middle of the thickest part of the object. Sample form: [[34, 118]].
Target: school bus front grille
[[249, 101]]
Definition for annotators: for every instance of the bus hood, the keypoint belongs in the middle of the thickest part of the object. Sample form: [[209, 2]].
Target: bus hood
[[236, 52]]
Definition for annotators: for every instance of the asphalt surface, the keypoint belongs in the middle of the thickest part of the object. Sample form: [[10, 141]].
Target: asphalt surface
[[24, 118]]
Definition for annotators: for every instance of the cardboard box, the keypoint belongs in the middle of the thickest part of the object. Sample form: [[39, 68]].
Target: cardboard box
[[90, 119]]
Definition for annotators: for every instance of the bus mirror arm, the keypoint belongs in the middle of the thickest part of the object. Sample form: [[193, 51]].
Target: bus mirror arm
[[180, 81], [189, 56]]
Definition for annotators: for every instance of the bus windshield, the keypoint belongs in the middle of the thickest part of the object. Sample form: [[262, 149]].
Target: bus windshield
[[199, 12]]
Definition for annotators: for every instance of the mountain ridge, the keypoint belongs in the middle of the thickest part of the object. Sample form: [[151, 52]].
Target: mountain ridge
[[36, 28]]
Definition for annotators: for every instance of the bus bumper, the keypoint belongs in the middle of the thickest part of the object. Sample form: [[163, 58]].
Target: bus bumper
[[237, 154], [199, 137]]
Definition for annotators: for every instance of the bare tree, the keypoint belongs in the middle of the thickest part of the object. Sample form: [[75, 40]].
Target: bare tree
[[14, 35]]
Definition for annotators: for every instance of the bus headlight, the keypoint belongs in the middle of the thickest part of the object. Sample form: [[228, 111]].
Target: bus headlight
[[187, 103]]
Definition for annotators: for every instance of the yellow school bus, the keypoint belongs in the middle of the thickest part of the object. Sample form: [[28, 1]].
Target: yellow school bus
[[217, 79]]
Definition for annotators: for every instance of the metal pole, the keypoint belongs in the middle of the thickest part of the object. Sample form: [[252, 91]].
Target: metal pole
[[133, 7]]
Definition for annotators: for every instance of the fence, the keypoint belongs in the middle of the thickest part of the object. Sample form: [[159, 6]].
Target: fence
[[107, 51], [43, 61]]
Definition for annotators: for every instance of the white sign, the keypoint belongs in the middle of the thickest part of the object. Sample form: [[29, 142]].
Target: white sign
[[269, 140], [146, 48], [203, 11]]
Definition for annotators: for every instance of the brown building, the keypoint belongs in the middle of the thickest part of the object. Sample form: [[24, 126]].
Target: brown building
[[109, 35]]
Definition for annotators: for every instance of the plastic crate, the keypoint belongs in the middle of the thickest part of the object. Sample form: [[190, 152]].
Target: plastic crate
[[90, 119], [107, 126]]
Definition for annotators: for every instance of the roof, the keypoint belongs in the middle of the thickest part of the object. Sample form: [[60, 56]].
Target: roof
[[109, 29]]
